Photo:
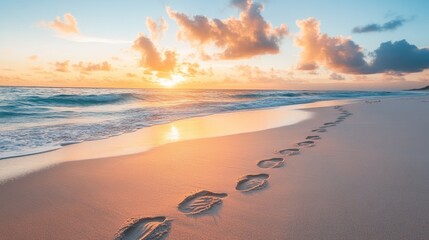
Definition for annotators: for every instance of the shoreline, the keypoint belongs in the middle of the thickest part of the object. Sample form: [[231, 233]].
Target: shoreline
[[147, 138], [299, 106], [54, 139]]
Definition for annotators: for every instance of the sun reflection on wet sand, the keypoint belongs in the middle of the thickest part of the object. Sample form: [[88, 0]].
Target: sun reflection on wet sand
[[173, 134]]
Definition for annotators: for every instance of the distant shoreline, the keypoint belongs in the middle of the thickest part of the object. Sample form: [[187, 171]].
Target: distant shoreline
[[420, 89]]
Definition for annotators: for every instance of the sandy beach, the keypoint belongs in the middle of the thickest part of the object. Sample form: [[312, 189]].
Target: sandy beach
[[359, 171], [201, 120]]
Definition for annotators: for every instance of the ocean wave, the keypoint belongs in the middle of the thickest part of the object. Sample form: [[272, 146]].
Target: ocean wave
[[80, 100], [267, 94], [320, 94], [7, 114]]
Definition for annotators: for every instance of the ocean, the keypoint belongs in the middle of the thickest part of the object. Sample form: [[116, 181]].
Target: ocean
[[34, 120]]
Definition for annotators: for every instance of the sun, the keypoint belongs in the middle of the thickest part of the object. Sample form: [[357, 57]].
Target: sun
[[170, 82]]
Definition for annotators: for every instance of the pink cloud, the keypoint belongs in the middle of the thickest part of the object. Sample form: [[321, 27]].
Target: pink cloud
[[156, 29], [247, 36], [91, 67], [65, 66], [66, 26], [336, 53], [62, 66], [153, 60]]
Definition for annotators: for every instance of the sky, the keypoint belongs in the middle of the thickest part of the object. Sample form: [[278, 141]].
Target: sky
[[231, 44]]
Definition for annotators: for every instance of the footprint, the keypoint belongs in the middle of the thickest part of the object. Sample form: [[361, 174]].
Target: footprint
[[319, 130], [250, 183], [289, 151], [329, 124], [271, 163], [146, 228], [314, 137], [200, 202], [306, 144]]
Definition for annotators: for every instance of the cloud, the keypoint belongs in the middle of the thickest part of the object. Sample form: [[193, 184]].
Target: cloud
[[91, 67], [336, 76], [193, 69], [400, 56], [62, 66], [343, 55], [33, 57], [153, 60], [337, 53], [310, 66], [388, 26], [131, 75], [165, 64], [264, 78], [68, 29], [156, 30], [68, 26], [244, 37], [247, 76]]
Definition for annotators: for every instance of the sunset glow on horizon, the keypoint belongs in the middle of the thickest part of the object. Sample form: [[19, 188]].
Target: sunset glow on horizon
[[238, 44]]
